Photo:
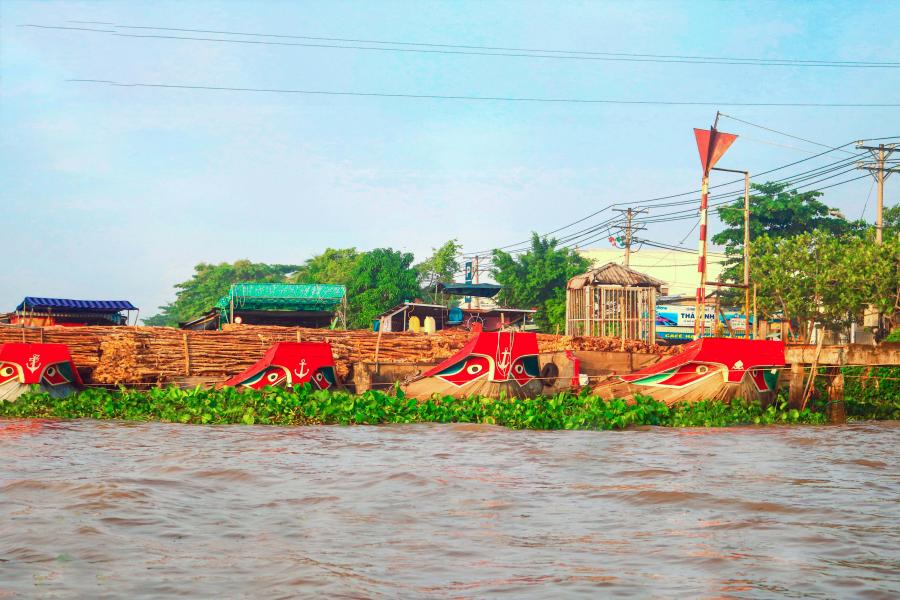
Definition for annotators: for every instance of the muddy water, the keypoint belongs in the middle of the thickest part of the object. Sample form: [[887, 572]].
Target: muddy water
[[101, 509]]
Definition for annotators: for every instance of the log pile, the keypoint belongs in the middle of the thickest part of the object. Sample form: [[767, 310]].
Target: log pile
[[83, 342], [553, 343], [141, 355]]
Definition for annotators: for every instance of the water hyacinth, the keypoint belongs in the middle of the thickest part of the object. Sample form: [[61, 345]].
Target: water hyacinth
[[304, 406]]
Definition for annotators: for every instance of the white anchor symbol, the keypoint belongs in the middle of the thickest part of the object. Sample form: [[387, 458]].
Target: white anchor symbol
[[504, 362], [34, 362], [303, 372]]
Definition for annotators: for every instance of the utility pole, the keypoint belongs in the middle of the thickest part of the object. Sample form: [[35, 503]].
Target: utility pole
[[629, 215], [746, 245], [880, 153]]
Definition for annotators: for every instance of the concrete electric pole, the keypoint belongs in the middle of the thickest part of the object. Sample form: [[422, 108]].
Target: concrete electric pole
[[880, 153], [629, 229]]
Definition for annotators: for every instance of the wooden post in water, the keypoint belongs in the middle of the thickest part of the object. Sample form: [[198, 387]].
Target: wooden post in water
[[837, 412], [797, 386]]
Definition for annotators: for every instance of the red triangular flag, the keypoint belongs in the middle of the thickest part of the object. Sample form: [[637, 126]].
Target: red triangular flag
[[712, 144]]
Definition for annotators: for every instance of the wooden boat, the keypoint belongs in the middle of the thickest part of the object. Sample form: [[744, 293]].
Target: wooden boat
[[707, 369], [289, 364], [491, 364], [49, 367]]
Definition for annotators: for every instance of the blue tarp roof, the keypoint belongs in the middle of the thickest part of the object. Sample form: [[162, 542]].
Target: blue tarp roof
[[103, 306]]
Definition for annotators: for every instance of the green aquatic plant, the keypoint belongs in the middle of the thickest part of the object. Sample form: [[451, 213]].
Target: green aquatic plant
[[872, 392], [303, 405]]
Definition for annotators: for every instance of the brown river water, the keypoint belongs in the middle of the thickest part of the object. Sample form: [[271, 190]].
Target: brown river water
[[149, 510]]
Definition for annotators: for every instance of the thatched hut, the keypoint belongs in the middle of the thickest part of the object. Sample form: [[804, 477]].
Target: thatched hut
[[612, 301]]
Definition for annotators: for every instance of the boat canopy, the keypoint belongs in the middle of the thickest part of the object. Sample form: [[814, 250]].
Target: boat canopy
[[478, 290], [283, 296], [99, 306]]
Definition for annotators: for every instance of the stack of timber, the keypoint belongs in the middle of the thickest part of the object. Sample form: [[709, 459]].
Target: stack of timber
[[149, 355], [83, 342]]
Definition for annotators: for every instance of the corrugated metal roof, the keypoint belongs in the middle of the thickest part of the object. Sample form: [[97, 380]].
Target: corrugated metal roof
[[614, 274], [33, 302], [283, 296]]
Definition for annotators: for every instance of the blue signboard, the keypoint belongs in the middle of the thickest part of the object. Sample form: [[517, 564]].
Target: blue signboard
[[676, 323], [468, 299]]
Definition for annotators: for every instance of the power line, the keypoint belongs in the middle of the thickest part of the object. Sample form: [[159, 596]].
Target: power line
[[781, 133], [431, 47], [650, 202], [672, 217], [686, 213], [525, 99], [689, 213]]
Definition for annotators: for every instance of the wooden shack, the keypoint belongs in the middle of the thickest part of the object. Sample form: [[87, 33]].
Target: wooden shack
[[612, 301]]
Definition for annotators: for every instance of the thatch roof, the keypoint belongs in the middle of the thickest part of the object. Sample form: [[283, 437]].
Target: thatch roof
[[614, 274]]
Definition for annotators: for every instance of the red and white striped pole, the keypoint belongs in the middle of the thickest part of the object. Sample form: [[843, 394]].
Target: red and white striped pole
[[712, 145], [700, 306]]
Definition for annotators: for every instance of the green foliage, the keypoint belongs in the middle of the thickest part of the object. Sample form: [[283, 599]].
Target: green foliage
[[872, 392], [776, 212], [821, 276], [380, 280], [303, 406], [334, 266], [440, 267], [891, 221], [211, 282], [537, 278]]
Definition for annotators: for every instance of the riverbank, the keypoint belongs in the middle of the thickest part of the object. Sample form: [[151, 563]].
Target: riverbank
[[302, 406]]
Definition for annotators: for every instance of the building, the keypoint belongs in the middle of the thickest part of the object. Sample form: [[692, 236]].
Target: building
[[279, 304], [483, 311], [410, 316], [612, 301], [34, 311]]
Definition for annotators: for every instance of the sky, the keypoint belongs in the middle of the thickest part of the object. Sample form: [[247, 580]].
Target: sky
[[117, 192]]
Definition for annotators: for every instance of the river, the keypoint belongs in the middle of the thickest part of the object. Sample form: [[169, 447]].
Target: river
[[150, 510]]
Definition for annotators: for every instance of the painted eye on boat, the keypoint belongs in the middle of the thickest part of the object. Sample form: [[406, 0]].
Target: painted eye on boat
[[6, 371], [520, 369], [701, 369], [473, 369], [51, 371], [272, 377], [318, 377]]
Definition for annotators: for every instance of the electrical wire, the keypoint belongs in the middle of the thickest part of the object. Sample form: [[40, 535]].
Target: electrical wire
[[650, 201], [432, 47], [462, 97], [721, 114]]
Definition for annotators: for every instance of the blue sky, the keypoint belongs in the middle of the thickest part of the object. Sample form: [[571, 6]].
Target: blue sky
[[117, 192]]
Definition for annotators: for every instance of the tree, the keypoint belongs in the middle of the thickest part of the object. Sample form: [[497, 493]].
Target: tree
[[776, 212], [333, 266], [818, 276], [381, 279], [538, 278], [441, 267], [891, 222], [209, 283]]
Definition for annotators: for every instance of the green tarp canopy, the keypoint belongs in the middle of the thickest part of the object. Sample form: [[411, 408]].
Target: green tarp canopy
[[283, 296]]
